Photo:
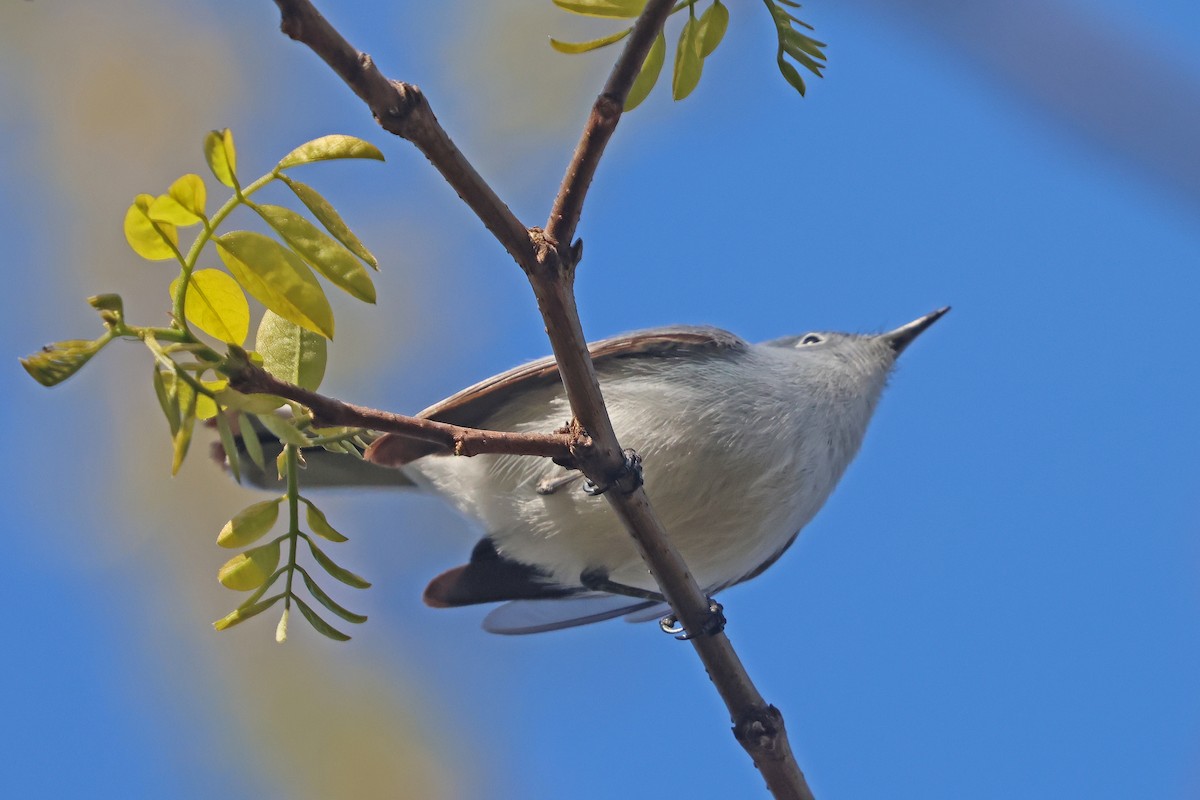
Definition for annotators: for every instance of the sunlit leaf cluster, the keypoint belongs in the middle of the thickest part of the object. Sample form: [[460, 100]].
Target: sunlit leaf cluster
[[698, 39], [189, 374], [258, 569]]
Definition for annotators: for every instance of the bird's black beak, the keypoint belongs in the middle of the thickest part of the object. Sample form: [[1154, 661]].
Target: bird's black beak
[[903, 336]]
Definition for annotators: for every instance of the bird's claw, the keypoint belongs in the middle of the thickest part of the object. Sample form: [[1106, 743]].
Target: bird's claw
[[713, 624], [627, 480]]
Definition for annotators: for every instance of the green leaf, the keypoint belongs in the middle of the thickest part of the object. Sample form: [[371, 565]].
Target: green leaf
[[183, 204], [153, 241], [648, 76], [166, 398], [221, 156], [318, 524], [251, 443], [258, 403], [322, 627], [319, 595], [245, 612], [187, 421], [206, 404], [688, 63], [327, 216], [278, 278], [56, 362], [250, 569], [620, 9], [229, 445], [250, 524], [322, 252], [344, 575], [283, 430], [792, 76], [216, 305], [328, 147], [713, 24], [594, 44], [290, 352]]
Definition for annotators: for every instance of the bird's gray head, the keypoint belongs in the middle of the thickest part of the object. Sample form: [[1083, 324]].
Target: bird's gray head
[[841, 368]]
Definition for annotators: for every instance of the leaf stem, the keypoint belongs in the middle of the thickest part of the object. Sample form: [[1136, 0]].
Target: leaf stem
[[293, 497]]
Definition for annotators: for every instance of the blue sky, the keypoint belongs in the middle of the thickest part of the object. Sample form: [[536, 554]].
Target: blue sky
[[1000, 599]]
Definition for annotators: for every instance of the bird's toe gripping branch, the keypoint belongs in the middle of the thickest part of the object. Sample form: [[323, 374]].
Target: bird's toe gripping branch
[[714, 623], [628, 479]]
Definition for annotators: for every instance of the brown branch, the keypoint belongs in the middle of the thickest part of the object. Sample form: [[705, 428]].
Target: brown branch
[[402, 109], [563, 448], [549, 259]]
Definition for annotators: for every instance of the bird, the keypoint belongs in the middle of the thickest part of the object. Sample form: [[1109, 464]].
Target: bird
[[741, 445]]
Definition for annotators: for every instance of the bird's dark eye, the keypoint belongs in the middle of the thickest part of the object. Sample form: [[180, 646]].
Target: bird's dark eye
[[811, 338]]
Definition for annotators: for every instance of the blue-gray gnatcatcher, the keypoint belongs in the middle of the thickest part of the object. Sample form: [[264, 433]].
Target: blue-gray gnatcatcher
[[742, 444]]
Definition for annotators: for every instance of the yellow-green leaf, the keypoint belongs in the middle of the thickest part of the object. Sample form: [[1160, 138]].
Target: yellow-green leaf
[[250, 569], [183, 204], [648, 76], [318, 524], [216, 305], [327, 216], [594, 44], [688, 62], [278, 278], [221, 156], [620, 9], [290, 352], [324, 599], [250, 442], [327, 147], [56, 362], [186, 396], [713, 24], [166, 397], [341, 573], [321, 252], [250, 403], [321, 626], [229, 445], [206, 407], [284, 431], [245, 612], [153, 241], [250, 524]]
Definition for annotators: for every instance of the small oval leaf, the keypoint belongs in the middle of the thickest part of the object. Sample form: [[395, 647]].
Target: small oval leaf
[[322, 252], [318, 524], [250, 441], [277, 278], [648, 76], [153, 241], [221, 156], [243, 613], [290, 352], [250, 569], [341, 573], [250, 524], [321, 626], [324, 599], [183, 204], [186, 397], [688, 63], [216, 305], [328, 147], [56, 362], [713, 24], [327, 216]]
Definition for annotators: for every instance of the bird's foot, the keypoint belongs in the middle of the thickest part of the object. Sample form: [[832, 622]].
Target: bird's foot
[[628, 479], [714, 623]]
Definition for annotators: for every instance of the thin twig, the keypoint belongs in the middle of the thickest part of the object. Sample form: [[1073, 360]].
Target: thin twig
[[450, 439], [549, 259]]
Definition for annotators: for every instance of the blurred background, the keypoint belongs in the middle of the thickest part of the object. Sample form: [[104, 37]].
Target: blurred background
[[1002, 598]]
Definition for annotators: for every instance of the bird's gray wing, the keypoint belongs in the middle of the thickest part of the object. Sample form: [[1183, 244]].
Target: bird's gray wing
[[538, 616], [473, 406]]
